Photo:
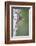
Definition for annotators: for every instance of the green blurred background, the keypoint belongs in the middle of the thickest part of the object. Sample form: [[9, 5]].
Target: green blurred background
[[23, 24]]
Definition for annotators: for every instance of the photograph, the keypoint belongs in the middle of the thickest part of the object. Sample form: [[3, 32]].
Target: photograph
[[20, 21]]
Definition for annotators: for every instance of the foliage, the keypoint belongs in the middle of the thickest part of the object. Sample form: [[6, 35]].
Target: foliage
[[23, 24]]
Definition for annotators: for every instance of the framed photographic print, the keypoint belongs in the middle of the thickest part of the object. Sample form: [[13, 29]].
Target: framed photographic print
[[19, 22]]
